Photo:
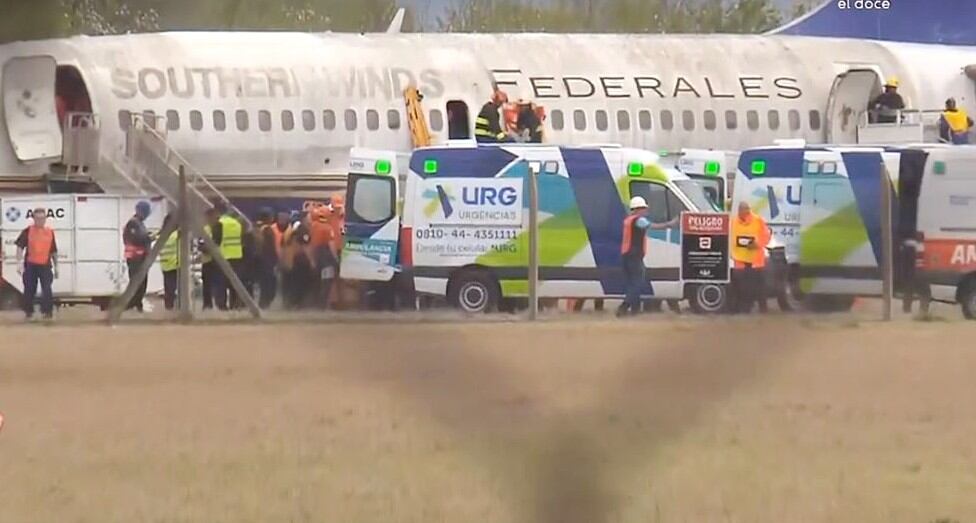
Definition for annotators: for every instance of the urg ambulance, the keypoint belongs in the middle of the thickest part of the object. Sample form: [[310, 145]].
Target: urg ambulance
[[823, 202], [453, 222]]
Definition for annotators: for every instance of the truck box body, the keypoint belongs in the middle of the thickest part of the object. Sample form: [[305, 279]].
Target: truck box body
[[88, 231]]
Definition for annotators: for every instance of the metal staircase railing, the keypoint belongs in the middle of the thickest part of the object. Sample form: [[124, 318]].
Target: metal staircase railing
[[152, 166]]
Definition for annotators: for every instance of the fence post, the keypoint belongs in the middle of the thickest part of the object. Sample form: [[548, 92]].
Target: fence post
[[534, 168]]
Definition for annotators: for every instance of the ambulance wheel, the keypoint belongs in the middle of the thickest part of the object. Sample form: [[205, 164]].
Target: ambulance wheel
[[474, 291], [967, 299], [709, 298], [790, 298]]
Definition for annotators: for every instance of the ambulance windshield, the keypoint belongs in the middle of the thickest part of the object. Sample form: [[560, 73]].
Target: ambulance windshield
[[698, 195]]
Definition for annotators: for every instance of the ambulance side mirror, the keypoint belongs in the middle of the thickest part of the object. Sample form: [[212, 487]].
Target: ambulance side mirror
[[535, 168]]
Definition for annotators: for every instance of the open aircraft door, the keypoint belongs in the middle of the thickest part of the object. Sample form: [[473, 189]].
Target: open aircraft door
[[850, 95], [29, 107]]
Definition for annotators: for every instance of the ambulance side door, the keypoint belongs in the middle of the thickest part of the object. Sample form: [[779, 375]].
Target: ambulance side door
[[663, 256]]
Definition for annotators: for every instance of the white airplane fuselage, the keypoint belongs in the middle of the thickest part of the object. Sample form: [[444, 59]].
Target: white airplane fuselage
[[276, 113]]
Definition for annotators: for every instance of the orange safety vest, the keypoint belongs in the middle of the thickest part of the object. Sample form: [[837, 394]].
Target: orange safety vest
[[628, 234], [40, 241], [753, 227]]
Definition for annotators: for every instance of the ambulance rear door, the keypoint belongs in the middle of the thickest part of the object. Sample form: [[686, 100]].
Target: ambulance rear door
[[372, 228], [840, 224]]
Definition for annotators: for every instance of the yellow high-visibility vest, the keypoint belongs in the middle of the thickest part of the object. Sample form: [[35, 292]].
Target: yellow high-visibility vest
[[231, 243], [169, 257], [958, 120]]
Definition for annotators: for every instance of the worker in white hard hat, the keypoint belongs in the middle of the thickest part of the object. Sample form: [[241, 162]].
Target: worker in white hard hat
[[633, 245], [884, 108]]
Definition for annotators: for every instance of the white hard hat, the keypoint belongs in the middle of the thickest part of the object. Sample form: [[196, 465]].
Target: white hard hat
[[638, 202]]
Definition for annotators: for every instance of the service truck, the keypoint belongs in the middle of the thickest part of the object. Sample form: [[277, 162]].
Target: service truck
[[824, 203], [88, 230], [453, 221]]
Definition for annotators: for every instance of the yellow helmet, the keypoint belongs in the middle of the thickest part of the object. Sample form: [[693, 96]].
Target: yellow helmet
[[892, 82]]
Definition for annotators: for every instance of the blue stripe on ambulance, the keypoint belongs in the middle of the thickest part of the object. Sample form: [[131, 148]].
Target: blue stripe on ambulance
[[863, 170], [602, 213], [779, 163], [481, 162]]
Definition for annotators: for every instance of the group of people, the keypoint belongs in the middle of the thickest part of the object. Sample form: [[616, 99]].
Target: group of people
[[954, 123], [296, 252], [522, 121], [750, 235]]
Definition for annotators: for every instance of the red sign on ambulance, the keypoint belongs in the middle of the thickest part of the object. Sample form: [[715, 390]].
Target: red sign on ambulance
[[949, 255]]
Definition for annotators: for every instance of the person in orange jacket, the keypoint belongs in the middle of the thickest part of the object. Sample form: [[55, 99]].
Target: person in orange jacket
[[321, 251], [750, 236]]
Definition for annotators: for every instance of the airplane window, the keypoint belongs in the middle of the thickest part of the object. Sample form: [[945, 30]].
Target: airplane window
[[644, 119], [308, 120], [814, 120], [436, 120], [328, 119], [172, 120], [794, 120], [352, 121], [752, 120], [264, 120], [773, 117], [219, 121], [579, 120], [623, 120], [667, 120], [372, 120], [125, 120], [731, 120], [150, 118], [393, 119], [557, 120], [242, 122], [601, 120], [287, 120], [688, 120], [196, 120], [710, 121]]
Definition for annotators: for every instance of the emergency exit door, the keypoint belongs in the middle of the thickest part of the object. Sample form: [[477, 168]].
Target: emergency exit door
[[29, 107]]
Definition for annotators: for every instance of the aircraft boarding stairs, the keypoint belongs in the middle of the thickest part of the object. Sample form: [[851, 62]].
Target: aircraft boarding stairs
[[148, 165], [911, 126]]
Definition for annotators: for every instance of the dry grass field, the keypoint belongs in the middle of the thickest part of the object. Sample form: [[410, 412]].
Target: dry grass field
[[568, 420]]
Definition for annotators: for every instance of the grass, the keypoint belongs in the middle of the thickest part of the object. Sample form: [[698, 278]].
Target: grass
[[595, 421]]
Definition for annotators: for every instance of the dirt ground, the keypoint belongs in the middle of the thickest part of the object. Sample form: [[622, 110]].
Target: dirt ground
[[573, 419]]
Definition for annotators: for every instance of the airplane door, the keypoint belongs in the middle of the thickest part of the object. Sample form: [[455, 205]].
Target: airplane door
[[849, 97], [29, 107]]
